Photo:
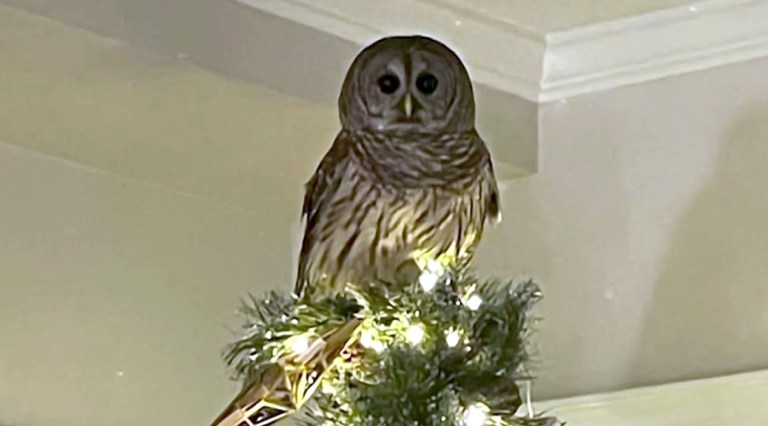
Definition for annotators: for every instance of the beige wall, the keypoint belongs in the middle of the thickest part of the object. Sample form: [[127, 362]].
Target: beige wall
[[140, 197], [114, 296], [647, 226]]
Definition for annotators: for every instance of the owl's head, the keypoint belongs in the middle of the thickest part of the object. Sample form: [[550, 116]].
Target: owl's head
[[407, 84]]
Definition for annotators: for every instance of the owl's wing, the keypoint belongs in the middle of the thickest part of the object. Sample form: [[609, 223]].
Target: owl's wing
[[494, 202], [491, 197], [318, 191]]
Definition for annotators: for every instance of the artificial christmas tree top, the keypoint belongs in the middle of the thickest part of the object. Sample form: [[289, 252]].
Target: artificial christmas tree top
[[450, 353], [384, 326]]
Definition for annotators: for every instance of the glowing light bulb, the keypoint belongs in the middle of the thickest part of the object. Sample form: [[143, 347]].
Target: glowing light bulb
[[327, 388], [475, 415], [435, 266], [378, 346], [474, 302], [431, 275], [366, 338], [428, 280], [300, 344], [453, 338], [368, 341], [415, 334]]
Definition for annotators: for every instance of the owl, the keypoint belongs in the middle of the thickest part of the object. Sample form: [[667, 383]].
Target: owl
[[408, 183]]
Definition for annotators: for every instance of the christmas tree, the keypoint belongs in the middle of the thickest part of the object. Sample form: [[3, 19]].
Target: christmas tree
[[445, 350]]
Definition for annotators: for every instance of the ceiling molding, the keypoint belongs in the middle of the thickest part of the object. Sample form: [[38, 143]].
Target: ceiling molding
[[497, 54], [733, 399], [647, 47], [258, 45], [557, 65]]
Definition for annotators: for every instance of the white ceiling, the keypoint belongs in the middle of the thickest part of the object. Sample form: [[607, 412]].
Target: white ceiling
[[545, 16]]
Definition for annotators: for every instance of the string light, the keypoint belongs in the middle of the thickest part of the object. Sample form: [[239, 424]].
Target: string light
[[415, 334], [368, 340], [474, 301], [428, 280], [432, 273], [253, 355], [327, 387], [435, 266], [475, 415], [299, 344], [453, 338]]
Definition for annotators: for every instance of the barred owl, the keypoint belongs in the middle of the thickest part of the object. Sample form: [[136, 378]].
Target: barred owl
[[407, 182]]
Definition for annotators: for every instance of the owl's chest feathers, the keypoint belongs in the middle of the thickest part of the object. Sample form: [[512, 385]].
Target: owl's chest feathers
[[385, 225], [386, 206], [411, 161]]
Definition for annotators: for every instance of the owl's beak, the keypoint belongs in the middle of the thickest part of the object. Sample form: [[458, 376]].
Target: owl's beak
[[408, 105]]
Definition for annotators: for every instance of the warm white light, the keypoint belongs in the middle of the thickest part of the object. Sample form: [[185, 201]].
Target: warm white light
[[474, 302], [431, 275], [453, 338], [378, 346], [428, 280], [435, 267], [475, 415], [368, 341], [327, 388], [415, 334], [300, 344]]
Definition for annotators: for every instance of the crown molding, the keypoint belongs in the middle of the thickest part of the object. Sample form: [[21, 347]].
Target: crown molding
[[732, 399], [497, 54], [652, 46], [308, 61], [555, 65]]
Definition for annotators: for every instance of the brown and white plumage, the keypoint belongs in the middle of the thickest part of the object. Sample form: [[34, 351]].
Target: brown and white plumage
[[406, 181]]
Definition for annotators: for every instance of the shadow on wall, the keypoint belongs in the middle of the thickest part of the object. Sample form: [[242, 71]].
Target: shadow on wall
[[709, 315]]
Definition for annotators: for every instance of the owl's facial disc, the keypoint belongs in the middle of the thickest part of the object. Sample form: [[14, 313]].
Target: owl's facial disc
[[401, 100], [425, 85], [407, 85]]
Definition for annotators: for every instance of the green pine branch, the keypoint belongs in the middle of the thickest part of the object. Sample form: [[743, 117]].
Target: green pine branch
[[472, 349]]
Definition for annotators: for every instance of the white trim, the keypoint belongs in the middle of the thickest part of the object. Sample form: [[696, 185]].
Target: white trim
[[656, 45], [498, 55], [548, 67], [735, 399]]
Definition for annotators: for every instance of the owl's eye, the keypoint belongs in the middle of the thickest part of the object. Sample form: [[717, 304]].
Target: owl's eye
[[388, 84], [426, 83]]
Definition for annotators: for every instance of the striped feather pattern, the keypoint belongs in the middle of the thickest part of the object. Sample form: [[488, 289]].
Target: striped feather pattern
[[380, 206]]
